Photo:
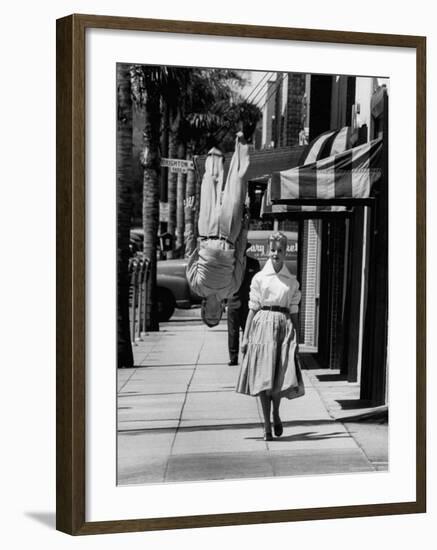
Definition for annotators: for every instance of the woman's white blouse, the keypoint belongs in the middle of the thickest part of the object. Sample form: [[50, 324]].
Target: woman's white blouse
[[269, 288]]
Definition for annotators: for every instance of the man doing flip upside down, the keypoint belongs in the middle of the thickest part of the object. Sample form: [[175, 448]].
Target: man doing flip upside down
[[216, 263]]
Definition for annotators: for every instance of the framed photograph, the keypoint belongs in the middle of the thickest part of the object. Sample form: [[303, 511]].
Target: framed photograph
[[240, 274]]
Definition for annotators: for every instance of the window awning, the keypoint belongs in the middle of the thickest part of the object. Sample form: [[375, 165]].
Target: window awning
[[328, 144], [326, 184], [347, 175]]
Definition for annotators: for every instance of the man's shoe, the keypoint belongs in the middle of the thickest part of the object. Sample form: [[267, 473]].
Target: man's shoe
[[233, 362]]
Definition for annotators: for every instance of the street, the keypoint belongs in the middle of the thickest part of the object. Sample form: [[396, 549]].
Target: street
[[179, 418]]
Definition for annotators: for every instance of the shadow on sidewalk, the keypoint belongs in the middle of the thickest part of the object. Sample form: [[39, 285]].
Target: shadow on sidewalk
[[221, 426], [348, 404], [308, 436], [178, 365], [331, 378]]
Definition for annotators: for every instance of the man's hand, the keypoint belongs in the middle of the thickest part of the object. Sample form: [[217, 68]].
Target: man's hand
[[189, 205]]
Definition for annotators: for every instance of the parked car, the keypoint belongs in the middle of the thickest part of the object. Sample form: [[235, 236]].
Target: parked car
[[173, 290], [136, 240]]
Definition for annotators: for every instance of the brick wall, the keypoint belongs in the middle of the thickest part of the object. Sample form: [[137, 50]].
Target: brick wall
[[294, 112]]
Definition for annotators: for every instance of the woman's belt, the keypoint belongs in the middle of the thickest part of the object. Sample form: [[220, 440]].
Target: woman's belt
[[276, 308]]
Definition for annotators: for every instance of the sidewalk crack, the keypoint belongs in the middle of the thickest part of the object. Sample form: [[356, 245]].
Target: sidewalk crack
[[134, 370], [182, 411], [338, 420], [358, 444]]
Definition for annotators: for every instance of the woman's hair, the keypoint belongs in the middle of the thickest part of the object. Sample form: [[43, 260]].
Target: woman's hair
[[278, 237]]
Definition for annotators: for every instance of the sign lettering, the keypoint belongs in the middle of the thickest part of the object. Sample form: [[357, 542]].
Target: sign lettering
[[177, 165], [260, 251]]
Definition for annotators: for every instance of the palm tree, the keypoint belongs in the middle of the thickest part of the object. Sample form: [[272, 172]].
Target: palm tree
[[175, 95], [184, 84], [183, 90], [151, 161], [124, 205], [173, 143], [147, 83], [180, 196], [190, 188], [190, 94], [217, 121], [164, 149]]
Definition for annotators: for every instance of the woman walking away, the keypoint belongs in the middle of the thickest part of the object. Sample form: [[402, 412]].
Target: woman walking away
[[269, 369]]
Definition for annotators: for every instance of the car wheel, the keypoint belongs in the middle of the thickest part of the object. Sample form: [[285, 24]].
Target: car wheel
[[165, 304]]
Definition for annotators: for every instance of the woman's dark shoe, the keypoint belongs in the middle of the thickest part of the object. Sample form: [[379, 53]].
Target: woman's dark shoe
[[268, 436], [277, 427]]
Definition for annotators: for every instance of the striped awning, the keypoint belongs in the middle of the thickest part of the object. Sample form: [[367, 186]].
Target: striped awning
[[328, 144], [325, 145], [347, 175], [343, 175]]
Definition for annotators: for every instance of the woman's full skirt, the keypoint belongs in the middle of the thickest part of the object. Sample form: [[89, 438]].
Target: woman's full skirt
[[269, 363]]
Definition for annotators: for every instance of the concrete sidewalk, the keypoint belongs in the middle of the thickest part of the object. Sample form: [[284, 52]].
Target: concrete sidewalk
[[180, 419]]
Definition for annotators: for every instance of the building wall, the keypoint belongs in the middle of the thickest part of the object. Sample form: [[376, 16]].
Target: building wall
[[363, 94], [268, 114], [284, 111], [295, 108], [309, 283]]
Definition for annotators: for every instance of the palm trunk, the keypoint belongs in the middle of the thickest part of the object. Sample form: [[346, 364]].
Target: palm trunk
[[181, 187], [151, 161], [173, 145], [163, 195], [124, 205], [190, 189]]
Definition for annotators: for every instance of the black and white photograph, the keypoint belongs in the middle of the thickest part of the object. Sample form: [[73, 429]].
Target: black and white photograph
[[252, 274], [218, 282]]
